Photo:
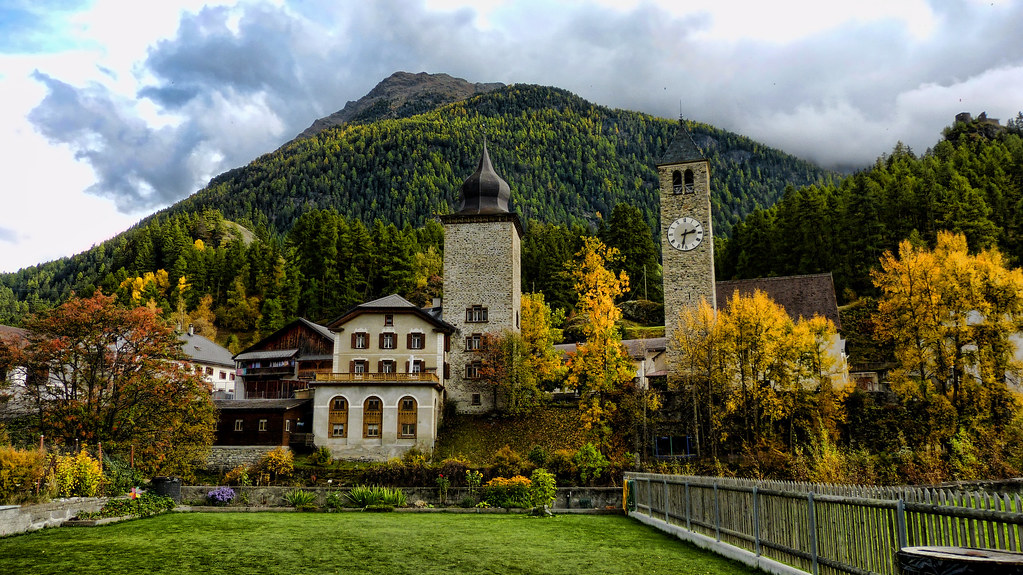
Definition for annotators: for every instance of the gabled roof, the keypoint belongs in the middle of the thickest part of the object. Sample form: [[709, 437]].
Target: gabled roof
[[801, 296], [322, 330], [682, 148], [266, 354], [202, 350], [314, 327], [637, 348], [393, 303], [259, 404]]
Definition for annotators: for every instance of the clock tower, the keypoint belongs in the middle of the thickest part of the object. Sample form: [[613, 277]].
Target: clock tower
[[687, 237]]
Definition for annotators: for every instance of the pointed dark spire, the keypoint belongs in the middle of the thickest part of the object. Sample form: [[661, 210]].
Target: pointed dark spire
[[484, 192], [682, 148]]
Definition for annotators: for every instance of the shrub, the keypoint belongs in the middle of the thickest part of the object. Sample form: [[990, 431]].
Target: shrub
[[510, 492], [145, 505], [543, 488], [335, 500], [590, 462], [77, 476], [20, 473], [322, 456], [507, 463], [238, 476], [561, 465], [119, 478], [220, 496], [300, 499], [279, 462]]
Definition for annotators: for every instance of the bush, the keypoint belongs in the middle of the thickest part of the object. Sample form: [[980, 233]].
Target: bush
[[279, 462], [537, 456], [511, 492], [145, 505], [238, 476], [300, 499], [220, 496], [590, 462], [20, 473], [77, 476], [543, 488], [119, 478], [561, 465], [507, 463], [322, 456]]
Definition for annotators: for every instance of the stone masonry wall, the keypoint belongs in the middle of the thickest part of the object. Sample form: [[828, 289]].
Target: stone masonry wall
[[481, 267], [22, 518]]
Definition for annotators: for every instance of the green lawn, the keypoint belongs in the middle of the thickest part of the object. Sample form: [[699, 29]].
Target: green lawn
[[388, 543]]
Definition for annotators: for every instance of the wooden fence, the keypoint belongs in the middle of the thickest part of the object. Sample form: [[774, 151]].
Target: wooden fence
[[827, 529]]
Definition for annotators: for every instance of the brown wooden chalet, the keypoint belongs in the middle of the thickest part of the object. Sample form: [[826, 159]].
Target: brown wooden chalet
[[284, 361], [263, 421]]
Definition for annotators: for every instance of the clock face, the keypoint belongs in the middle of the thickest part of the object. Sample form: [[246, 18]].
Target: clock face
[[685, 234]]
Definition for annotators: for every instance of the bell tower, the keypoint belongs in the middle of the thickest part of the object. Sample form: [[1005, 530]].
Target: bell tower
[[687, 236]]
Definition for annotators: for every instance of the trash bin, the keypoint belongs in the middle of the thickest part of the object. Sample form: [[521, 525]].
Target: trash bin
[[959, 561], [168, 487], [630, 495]]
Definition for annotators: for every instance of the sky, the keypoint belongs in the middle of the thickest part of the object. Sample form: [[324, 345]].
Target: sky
[[113, 109]]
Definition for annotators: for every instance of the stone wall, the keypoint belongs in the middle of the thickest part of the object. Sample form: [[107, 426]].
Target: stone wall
[[23, 518], [567, 497], [225, 458]]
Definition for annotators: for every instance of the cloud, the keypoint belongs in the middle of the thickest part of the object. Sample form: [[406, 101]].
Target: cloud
[[235, 82], [8, 235]]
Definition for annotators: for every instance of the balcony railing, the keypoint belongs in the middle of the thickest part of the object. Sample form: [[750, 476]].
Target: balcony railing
[[378, 377], [277, 370]]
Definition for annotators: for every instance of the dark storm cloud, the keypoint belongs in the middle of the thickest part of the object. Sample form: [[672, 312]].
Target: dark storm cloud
[[245, 80]]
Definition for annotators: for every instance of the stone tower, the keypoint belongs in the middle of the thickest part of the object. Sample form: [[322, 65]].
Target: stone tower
[[687, 237], [482, 281]]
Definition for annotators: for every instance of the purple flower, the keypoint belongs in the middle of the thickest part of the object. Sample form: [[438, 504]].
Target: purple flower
[[220, 496]]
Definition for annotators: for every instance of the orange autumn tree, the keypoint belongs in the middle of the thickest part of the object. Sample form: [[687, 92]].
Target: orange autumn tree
[[103, 373], [600, 369]]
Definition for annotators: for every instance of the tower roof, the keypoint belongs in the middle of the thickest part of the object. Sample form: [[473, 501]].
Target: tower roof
[[682, 147], [484, 192]]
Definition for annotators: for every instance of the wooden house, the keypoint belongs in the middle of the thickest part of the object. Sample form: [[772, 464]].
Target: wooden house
[[284, 361]]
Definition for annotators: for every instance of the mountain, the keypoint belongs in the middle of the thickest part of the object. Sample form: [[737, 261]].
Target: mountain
[[401, 95], [364, 196]]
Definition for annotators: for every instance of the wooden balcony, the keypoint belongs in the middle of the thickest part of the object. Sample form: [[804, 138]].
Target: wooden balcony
[[379, 377]]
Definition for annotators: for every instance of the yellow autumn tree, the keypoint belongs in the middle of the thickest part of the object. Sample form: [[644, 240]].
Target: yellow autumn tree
[[698, 374], [600, 369], [950, 315], [539, 334]]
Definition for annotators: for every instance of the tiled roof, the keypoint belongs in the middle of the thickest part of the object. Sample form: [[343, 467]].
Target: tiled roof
[[638, 347], [682, 147], [390, 301], [264, 404], [801, 296], [397, 304], [202, 350], [13, 334], [266, 354]]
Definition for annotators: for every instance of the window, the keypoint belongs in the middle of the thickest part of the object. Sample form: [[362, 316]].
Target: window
[[387, 340], [358, 366], [238, 425], [472, 369], [232, 377], [372, 417], [407, 416], [287, 425], [360, 340], [262, 425], [476, 399], [209, 371], [473, 342], [416, 341], [415, 366], [476, 314], [337, 417], [223, 375], [690, 186], [386, 366], [388, 320]]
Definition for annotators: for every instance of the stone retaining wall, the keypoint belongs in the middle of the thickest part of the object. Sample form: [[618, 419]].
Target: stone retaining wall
[[567, 497], [22, 518], [224, 458]]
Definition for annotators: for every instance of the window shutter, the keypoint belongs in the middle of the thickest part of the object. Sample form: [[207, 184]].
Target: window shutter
[[447, 370], [380, 366], [351, 366], [381, 342], [353, 340], [406, 367], [408, 341], [447, 342]]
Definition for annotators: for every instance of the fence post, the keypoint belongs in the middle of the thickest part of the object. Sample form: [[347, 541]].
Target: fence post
[[717, 513], [667, 519], [900, 518], [689, 522], [650, 497], [811, 512], [756, 521]]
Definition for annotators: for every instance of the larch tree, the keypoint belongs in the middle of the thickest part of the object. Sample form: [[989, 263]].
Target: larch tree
[[540, 332]]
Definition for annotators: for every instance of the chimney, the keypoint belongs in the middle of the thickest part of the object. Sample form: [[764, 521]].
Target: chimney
[[191, 329]]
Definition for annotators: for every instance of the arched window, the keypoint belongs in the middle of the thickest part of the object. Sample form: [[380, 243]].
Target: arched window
[[689, 182], [372, 417], [338, 417], [676, 182], [408, 414]]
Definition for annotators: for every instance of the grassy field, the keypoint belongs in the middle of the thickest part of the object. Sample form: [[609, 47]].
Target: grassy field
[[387, 543]]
